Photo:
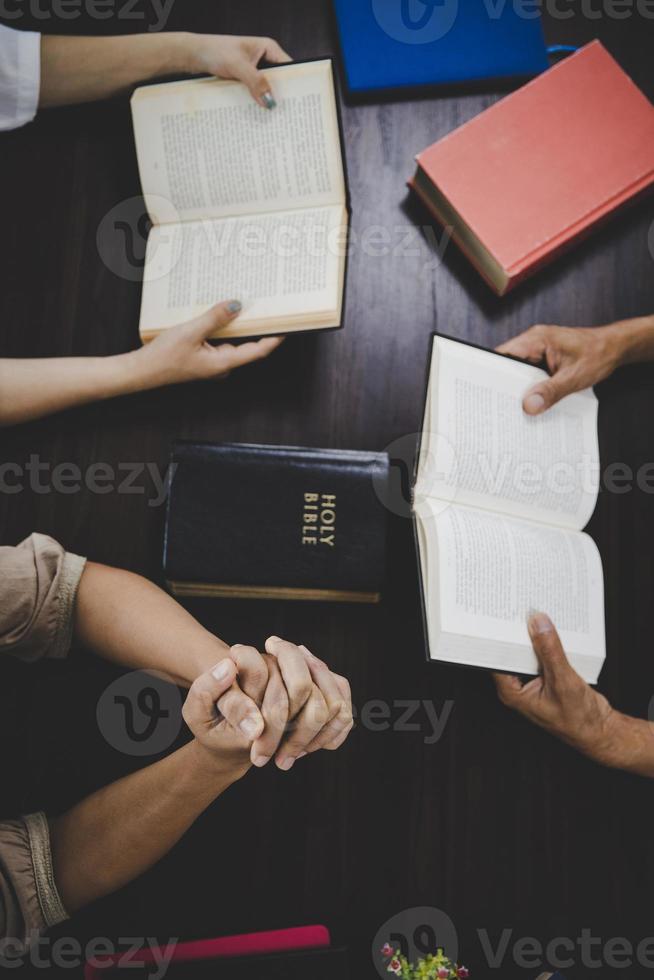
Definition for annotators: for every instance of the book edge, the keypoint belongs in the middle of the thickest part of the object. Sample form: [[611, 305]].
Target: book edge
[[210, 590]]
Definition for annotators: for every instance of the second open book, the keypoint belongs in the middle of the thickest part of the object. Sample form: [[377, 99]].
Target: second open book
[[500, 502], [246, 203]]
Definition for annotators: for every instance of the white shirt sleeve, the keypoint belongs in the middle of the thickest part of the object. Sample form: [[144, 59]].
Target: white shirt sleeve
[[20, 76]]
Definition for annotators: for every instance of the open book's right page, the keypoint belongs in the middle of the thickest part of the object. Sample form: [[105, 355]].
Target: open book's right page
[[480, 449], [483, 572]]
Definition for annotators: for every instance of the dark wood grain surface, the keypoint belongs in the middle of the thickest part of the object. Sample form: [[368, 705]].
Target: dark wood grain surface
[[496, 823]]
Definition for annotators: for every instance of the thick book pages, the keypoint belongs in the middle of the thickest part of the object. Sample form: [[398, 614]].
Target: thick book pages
[[246, 203], [500, 502], [263, 522], [528, 177], [388, 45]]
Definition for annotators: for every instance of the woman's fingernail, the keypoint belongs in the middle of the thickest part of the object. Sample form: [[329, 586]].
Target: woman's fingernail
[[534, 403], [261, 760], [234, 307], [222, 670], [268, 100], [301, 755], [250, 727], [540, 623], [286, 763]]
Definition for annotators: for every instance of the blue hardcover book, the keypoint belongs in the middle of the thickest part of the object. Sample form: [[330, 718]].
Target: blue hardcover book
[[397, 44]]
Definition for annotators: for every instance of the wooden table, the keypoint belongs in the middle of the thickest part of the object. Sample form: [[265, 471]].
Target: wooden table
[[496, 824]]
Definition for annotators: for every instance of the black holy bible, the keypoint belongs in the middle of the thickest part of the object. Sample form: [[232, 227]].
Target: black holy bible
[[275, 522]]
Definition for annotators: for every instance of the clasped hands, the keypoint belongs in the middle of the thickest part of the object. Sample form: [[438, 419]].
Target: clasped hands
[[282, 705]]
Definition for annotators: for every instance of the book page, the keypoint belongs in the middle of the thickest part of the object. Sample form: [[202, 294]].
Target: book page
[[480, 449], [279, 265], [206, 149], [486, 572]]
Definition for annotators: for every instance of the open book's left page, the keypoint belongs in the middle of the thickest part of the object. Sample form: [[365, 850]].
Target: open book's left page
[[206, 150]]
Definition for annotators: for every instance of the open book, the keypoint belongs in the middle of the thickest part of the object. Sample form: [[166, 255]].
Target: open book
[[246, 203], [500, 501]]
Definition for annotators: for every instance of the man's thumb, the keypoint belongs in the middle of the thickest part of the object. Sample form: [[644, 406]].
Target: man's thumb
[[547, 647], [547, 393]]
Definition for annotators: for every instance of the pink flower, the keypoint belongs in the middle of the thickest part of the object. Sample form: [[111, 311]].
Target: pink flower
[[443, 973], [387, 949], [463, 972], [394, 966]]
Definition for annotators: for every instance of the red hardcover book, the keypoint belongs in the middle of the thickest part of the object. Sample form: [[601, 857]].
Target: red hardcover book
[[528, 177]]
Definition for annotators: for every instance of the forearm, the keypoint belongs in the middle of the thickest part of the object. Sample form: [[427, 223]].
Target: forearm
[[626, 743], [82, 69], [632, 340], [30, 389], [119, 832], [128, 620]]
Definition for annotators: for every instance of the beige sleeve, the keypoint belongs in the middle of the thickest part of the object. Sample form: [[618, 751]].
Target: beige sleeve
[[38, 585], [29, 900], [20, 76]]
